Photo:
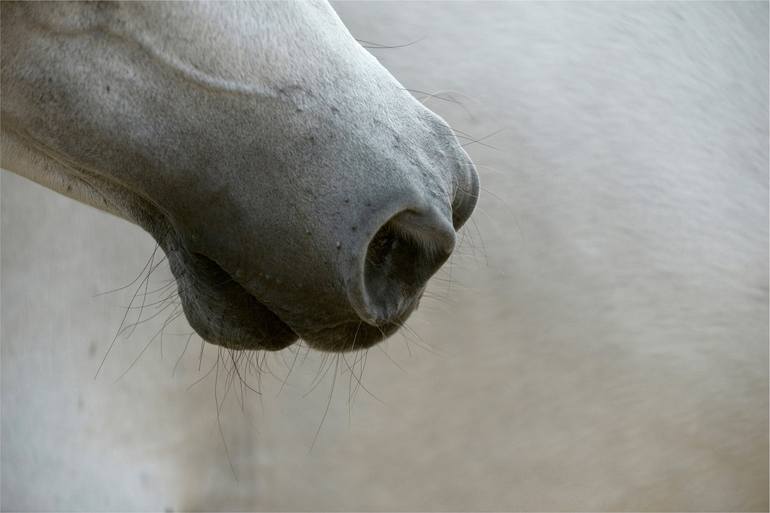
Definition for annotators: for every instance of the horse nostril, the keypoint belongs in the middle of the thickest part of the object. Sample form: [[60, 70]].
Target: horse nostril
[[400, 258]]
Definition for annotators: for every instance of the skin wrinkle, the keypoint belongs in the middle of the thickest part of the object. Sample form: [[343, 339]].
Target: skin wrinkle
[[279, 183], [125, 24], [119, 30]]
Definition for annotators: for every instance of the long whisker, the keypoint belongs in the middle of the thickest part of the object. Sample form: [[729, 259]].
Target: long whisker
[[379, 46], [328, 403], [152, 256]]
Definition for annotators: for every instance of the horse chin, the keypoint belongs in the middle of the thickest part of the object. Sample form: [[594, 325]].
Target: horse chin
[[261, 333], [221, 311]]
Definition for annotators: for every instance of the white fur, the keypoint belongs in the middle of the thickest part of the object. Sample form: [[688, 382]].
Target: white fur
[[606, 349]]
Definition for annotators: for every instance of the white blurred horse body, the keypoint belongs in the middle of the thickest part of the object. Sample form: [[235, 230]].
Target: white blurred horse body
[[611, 355]]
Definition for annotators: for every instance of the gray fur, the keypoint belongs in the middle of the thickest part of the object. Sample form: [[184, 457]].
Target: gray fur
[[295, 186]]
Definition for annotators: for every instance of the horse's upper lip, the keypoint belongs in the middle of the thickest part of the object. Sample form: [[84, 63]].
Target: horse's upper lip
[[341, 336]]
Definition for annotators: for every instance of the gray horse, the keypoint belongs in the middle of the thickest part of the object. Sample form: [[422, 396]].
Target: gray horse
[[297, 189]]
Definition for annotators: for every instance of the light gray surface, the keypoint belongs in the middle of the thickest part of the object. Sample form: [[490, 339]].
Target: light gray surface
[[600, 341]]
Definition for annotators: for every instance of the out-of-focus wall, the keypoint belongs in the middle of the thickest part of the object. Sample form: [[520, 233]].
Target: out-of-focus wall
[[599, 341]]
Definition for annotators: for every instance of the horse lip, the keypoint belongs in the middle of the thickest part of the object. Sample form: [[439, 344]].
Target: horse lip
[[315, 336], [269, 344]]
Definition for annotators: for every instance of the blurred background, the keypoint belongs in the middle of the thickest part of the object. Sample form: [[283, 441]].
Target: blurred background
[[599, 341]]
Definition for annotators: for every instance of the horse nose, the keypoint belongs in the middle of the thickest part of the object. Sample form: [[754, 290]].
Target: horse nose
[[466, 192], [399, 259]]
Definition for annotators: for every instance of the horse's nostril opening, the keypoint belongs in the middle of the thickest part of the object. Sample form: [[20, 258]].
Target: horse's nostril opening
[[390, 263], [400, 259]]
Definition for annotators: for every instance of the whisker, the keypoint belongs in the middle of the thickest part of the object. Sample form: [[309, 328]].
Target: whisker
[[125, 316], [152, 256], [379, 46], [186, 344], [219, 419], [283, 384], [328, 403], [484, 138], [147, 345]]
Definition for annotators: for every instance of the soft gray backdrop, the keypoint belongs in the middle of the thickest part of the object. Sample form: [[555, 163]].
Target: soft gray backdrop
[[599, 341]]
